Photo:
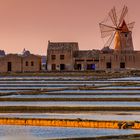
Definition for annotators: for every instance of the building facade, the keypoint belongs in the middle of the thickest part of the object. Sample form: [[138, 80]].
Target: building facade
[[10, 63], [86, 60], [119, 60], [31, 63], [20, 63], [66, 56], [60, 56]]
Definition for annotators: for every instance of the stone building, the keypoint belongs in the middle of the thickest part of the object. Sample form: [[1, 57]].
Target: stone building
[[30, 62], [86, 60], [10, 63], [67, 56], [123, 56], [119, 60], [60, 55], [20, 63]]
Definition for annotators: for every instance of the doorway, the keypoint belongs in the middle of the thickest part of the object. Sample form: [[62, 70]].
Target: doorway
[[9, 66], [122, 65], [90, 66], [62, 66], [53, 66]]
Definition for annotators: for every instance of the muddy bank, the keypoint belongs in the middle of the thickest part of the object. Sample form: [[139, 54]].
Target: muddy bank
[[63, 109], [94, 75], [14, 99]]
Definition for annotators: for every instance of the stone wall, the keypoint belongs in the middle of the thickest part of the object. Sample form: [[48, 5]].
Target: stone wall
[[31, 63], [58, 60], [17, 63], [14, 60], [119, 61]]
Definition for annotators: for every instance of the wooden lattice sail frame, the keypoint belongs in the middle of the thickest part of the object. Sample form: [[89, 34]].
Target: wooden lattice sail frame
[[120, 32]]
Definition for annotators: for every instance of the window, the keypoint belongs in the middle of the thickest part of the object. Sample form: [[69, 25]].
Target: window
[[125, 34], [53, 57], [90, 66], [108, 65], [62, 57], [122, 65], [26, 63], [32, 63]]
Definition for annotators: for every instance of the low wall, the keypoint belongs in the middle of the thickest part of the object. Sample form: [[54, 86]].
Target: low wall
[[70, 123]]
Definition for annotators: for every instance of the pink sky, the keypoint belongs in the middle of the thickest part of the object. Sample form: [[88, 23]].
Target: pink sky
[[31, 23]]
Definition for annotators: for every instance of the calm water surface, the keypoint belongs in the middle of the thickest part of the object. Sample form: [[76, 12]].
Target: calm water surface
[[59, 132], [134, 116], [70, 103]]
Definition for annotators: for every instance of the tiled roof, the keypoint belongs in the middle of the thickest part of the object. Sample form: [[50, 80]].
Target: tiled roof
[[63, 46], [87, 54]]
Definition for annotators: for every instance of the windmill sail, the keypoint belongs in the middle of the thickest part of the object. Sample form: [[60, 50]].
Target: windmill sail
[[123, 14], [113, 16], [118, 31], [106, 30]]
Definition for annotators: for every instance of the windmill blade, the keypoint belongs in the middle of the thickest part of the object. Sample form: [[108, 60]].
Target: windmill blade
[[110, 40], [112, 14], [106, 30], [123, 14], [130, 26]]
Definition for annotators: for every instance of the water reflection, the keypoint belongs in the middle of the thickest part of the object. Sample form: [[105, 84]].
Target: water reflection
[[70, 103], [15, 133], [37, 133]]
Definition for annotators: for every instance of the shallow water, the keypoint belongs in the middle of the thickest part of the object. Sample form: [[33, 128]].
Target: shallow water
[[126, 78], [99, 91], [70, 103], [121, 87], [42, 85], [122, 116], [71, 96], [59, 132]]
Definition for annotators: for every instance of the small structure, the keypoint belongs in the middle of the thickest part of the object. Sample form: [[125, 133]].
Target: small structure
[[10, 63], [60, 55], [20, 63], [86, 60]]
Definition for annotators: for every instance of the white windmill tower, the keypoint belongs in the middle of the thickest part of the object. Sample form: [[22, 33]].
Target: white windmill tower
[[120, 32]]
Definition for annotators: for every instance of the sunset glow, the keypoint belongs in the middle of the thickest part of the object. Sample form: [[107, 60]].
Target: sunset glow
[[31, 23]]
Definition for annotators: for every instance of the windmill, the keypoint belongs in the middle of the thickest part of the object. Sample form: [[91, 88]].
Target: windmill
[[119, 33]]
